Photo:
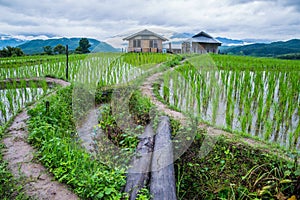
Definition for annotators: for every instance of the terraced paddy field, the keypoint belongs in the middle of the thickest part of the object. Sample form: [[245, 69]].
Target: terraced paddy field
[[235, 124]]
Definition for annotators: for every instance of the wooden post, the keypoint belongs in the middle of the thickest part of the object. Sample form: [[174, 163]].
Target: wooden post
[[162, 183], [67, 62], [47, 104], [138, 173]]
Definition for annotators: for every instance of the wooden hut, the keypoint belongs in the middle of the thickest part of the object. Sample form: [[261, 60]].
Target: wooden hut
[[201, 43], [145, 41]]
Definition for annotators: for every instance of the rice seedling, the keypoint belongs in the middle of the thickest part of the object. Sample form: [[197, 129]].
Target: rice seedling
[[16, 94], [255, 96], [261, 98]]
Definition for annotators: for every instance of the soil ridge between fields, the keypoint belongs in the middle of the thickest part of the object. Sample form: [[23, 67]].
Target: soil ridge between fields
[[19, 154]]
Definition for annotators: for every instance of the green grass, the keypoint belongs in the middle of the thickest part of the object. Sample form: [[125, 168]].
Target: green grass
[[145, 59], [253, 63], [54, 135], [234, 171]]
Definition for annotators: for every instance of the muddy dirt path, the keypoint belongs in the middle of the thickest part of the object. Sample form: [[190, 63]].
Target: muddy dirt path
[[147, 90], [88, 130], [35, 179]]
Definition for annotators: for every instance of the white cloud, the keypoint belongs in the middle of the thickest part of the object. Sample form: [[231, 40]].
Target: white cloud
[[264, 19]]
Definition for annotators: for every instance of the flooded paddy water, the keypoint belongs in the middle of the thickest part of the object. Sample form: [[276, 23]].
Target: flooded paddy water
[[261, 103]]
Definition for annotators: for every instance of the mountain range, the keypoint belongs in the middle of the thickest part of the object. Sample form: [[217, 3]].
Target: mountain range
[[273, 49], [252, 47], [36, 46], [6, 40]]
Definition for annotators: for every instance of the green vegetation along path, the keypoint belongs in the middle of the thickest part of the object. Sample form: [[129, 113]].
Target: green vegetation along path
[[35, 179]]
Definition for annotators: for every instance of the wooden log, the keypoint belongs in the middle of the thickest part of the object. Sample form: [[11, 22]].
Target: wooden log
[[139, 172], [67, 62], [162, 183]]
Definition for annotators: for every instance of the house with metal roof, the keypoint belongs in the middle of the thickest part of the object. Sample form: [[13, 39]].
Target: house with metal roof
[[145, 41], [201, 43]]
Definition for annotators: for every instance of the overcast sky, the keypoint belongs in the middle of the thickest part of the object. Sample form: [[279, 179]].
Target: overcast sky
[[238, 19]]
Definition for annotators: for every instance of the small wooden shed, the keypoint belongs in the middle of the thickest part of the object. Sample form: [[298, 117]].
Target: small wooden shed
[[145, 41], [201, 43]]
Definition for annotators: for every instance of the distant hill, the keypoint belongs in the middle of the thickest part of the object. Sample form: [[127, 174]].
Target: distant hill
[[273, 49], [230, 42], [176, 35], [36, 46], [6, 40]]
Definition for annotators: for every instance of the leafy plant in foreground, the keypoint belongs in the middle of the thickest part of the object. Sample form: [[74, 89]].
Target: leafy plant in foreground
[[53, 134]]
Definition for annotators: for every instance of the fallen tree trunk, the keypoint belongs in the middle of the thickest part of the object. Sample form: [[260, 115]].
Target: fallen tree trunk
[[138, 173], [162, 183]]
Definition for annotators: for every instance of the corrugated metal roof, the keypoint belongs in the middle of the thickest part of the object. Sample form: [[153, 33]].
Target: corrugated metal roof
[[203, 37], [145, 32], [203, 34], [205, 40]]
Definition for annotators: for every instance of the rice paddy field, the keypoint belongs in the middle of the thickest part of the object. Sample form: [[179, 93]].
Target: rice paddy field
[[259, 97], [111, 68], [256, 98]]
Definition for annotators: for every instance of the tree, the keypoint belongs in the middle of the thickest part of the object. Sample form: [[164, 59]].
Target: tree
[[48, 50], [11, 51], [4, 53], [60, 49], [84, 46]]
